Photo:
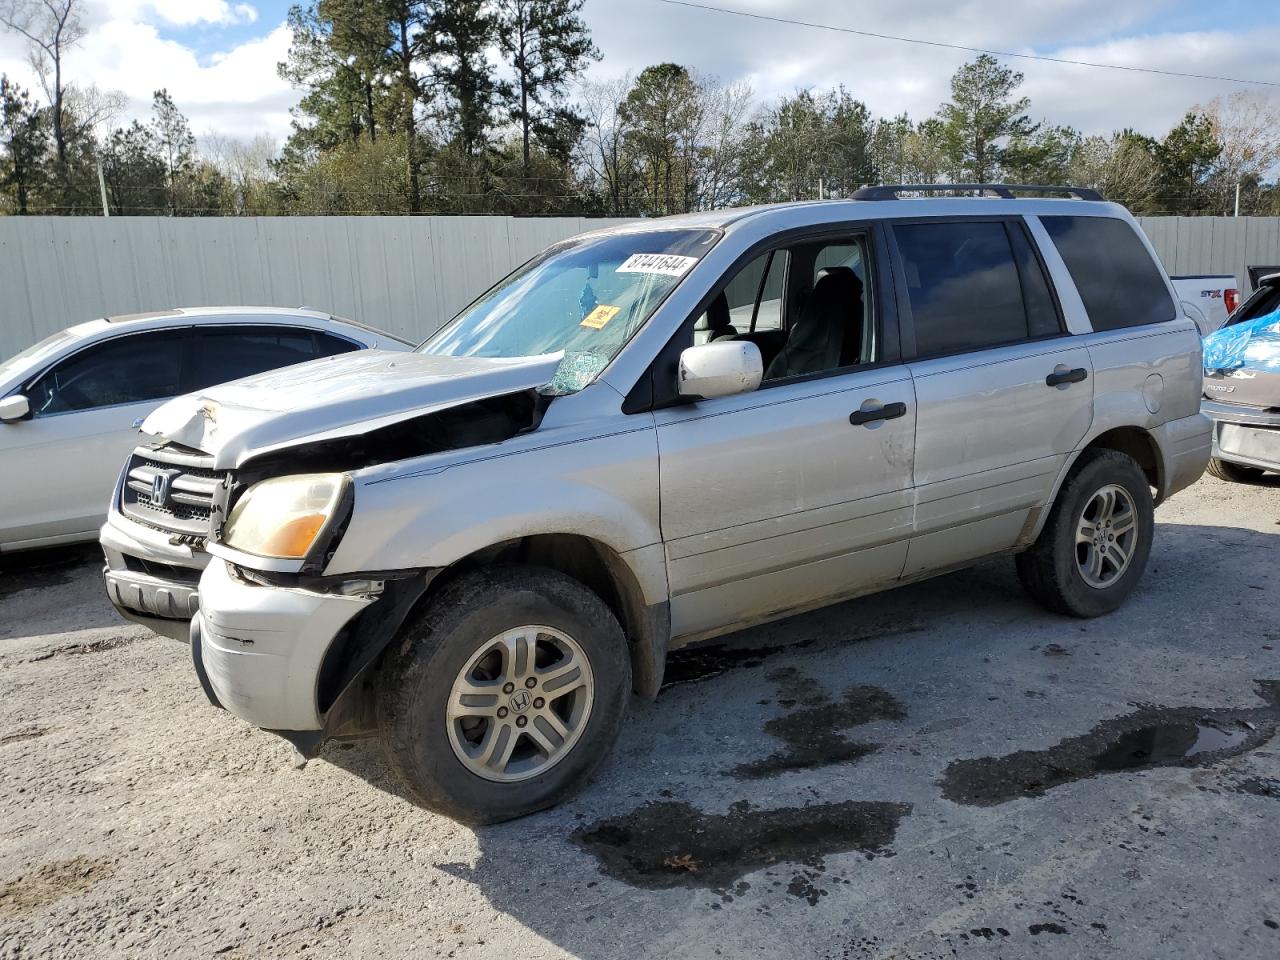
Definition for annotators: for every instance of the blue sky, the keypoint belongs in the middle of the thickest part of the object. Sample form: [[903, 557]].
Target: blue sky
[[218, 57]]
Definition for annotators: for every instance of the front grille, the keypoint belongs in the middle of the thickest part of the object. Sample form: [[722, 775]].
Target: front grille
[[183, 499]]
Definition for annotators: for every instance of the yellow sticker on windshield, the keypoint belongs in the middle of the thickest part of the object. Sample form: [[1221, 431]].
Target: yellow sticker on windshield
[[598, 317]]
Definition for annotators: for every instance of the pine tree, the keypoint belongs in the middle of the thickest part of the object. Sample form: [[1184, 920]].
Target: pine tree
[[548, 46], [23, 135], [461, 30]]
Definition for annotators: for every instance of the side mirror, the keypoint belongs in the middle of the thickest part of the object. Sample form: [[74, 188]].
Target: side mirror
[[720, 369], [16, 407]]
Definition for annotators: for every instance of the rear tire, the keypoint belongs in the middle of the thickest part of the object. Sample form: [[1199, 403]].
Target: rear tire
[[1096, 540], [505, 695], [1234, 472]]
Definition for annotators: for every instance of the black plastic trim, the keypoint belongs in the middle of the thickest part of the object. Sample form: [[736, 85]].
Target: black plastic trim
[[1003, 190]]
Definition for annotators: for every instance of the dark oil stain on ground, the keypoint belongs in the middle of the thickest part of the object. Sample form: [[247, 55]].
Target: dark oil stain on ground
[[811, 734], [668, 844], [45, 568], [701, 662], [1149, 737]]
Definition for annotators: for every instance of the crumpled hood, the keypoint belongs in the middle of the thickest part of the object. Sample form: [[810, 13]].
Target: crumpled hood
[[345, 395]]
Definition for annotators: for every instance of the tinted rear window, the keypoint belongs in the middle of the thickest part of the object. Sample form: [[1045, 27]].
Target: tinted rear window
[[969, 290], [1120, 284]]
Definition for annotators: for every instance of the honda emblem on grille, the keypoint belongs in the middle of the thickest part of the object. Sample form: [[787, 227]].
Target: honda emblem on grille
[[160, 489]]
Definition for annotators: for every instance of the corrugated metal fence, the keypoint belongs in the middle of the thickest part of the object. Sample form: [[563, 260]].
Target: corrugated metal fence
[[406, 275]]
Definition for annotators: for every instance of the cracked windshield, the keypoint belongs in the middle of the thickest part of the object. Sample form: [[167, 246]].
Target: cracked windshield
[[585, 298]]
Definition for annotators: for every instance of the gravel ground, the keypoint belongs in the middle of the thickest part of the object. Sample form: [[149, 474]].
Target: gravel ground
[[943, 770]]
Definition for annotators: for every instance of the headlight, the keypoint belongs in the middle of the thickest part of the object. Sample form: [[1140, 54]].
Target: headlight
[[283, 518]]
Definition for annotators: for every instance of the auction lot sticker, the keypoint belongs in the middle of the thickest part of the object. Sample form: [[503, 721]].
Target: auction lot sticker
[[598, 317], [669, 264]]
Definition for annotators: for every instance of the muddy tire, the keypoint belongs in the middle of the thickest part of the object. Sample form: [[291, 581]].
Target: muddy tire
[[1234, 472], [505, 695], [1096, 540]]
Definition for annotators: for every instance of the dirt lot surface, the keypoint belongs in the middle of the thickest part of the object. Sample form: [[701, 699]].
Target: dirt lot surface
[[941, 771]]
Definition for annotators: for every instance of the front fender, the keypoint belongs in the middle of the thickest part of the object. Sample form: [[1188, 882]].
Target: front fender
[[604, 488]]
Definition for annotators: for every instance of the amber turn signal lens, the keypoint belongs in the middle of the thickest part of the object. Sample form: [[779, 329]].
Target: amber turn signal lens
[[295, 537]]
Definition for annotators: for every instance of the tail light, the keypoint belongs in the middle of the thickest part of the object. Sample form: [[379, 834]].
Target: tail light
[[1231, 297]]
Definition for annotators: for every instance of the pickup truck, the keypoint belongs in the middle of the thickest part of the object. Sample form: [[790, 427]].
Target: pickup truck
[[669, 430], [1207, 299]]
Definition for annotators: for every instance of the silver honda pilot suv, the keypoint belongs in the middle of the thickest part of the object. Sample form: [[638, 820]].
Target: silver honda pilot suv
[[660, 432]]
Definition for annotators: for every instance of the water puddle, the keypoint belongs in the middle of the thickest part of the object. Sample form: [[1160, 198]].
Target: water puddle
[[811, 734], [1147, 738], [668, 844]]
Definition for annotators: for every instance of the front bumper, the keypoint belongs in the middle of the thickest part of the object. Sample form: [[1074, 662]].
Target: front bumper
[[1249, 436], [148, 579], [262, 647]]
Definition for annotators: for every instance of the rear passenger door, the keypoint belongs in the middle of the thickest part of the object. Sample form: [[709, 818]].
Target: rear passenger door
[[1003, 392], [223, 353]]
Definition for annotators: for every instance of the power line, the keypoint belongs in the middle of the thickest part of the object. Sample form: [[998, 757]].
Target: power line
[[957, 46]]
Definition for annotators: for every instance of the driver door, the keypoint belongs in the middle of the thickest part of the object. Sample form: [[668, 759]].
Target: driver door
[[798, 493], [60, 466]]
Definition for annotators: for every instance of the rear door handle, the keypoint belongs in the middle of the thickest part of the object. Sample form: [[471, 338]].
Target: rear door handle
[[890, 411], [1059, 377]]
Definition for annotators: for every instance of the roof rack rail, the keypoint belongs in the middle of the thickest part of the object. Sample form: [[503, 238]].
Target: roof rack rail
[[1003, 190]]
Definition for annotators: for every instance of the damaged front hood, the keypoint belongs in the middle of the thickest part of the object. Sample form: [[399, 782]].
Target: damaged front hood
[[340, 396]]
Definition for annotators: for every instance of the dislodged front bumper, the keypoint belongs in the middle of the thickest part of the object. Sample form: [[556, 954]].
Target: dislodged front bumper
[[1245, 435], [149, 579], [262, 647]]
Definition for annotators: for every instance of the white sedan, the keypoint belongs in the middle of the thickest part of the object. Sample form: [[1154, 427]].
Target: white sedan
[[70, 406]]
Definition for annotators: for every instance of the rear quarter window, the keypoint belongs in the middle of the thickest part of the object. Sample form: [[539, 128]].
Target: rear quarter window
[[1117, 279]]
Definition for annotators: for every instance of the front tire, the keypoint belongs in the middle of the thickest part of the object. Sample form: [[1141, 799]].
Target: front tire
[[505, 695], [1234, 472], [1096, 540]]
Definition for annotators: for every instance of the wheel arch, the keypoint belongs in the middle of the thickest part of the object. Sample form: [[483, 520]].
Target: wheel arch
[[1133, 441], [612, 576]]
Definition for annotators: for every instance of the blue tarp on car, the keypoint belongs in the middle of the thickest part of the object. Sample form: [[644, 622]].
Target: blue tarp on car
[[1254, 344]]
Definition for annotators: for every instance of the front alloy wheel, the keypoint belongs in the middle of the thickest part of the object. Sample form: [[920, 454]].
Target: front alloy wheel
[[504, 695], [520, 704]]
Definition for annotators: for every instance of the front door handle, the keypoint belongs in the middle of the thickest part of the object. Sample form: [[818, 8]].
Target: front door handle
[[890, 411], [1059, 377]]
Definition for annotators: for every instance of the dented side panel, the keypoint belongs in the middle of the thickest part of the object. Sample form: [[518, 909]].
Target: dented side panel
[[597, 479]]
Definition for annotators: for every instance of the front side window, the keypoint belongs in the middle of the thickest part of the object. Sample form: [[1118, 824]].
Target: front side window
[[585, 297], [1119, 282], [751, 301], [131, 369], [809, 308], [966, 290]]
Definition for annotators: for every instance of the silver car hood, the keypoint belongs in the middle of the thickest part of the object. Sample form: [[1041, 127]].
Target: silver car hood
[[345, 395]]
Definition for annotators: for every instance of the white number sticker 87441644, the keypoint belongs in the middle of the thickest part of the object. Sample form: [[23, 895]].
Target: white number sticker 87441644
[[670, 264]]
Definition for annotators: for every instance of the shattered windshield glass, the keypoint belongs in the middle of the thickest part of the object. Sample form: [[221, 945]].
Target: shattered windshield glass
[[585, 298]]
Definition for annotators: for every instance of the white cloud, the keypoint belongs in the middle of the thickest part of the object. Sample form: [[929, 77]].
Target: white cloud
[[892, 77], [181, 13], [237, 91]]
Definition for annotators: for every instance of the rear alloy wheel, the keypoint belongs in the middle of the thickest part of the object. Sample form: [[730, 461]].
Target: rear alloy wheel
[[1106, 536], [1095, 542], [504, 695]]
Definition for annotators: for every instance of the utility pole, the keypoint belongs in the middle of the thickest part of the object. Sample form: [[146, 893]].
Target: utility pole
[[102, 187], [1237, 198]]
